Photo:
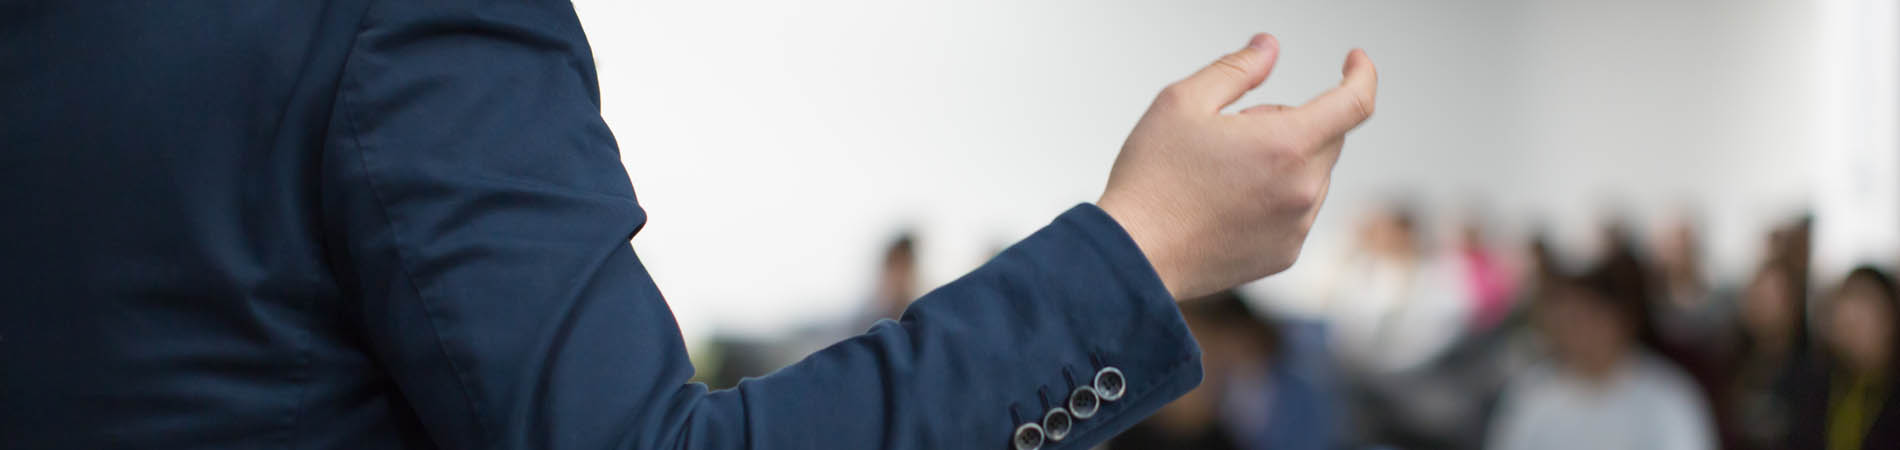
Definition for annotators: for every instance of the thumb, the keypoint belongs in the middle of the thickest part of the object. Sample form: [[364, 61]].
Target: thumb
[[1224, 81]]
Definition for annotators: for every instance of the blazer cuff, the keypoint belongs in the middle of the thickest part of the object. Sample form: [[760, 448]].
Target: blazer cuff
[[1128, 325]]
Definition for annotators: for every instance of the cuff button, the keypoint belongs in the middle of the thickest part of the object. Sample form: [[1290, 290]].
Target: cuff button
[[1028, 437], [1056, 424], [1083, 402], [1110, 384]]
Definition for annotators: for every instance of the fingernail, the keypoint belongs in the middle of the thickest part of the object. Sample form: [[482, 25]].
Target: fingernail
[[1260, 41]]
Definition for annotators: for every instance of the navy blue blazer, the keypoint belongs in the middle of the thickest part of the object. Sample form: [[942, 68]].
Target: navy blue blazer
[[362, 224]]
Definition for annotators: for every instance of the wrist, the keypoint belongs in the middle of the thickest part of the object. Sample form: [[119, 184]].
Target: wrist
[[1151, 238]]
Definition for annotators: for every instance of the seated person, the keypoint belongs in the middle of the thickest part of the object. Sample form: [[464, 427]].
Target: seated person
[[1850, 399], [1264, 387], [1601, 389]]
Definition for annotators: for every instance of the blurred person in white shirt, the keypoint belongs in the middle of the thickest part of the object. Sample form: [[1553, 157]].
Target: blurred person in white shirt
[[1600, 389], [1394, 305]]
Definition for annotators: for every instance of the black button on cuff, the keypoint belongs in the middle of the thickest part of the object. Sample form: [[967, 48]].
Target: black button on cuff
[[1110, 384], [1083, 402], [1056, 424], [1028, 437]]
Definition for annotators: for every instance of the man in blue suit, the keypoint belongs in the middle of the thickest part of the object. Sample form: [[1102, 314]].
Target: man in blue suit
[[380, 224]]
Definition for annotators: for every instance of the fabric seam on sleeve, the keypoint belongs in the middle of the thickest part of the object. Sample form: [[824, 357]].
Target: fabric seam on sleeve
[[402, 262]]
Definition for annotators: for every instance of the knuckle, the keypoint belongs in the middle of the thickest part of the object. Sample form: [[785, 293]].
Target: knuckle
[[1288, 149], [1316, 192], [1284, 156], [1304, 198], [1173, 94], [1301, 197]]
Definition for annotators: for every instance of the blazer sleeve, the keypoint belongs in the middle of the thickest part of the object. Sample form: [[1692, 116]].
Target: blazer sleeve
[[477, 208]]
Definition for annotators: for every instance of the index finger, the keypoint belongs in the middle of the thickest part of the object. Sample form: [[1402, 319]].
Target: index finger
[[1344, 107]]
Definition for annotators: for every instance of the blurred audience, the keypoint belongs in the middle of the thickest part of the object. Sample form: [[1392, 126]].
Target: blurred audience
[[1476, 346], [1460, 349], [1418, 350], [896, 280], [1770, 343], [1393, 305], [1850, 400], [1489, 284], [1265, 387], [1602, 388], [1690, 310], [726, 360]]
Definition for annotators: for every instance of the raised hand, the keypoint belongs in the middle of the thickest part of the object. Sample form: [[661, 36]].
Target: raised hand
[[1215, 200]]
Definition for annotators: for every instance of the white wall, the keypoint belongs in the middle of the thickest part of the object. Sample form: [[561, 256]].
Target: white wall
[[1857, 171], [777, 143]]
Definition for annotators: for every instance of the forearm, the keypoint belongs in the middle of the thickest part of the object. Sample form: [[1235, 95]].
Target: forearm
[[972, 361]]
